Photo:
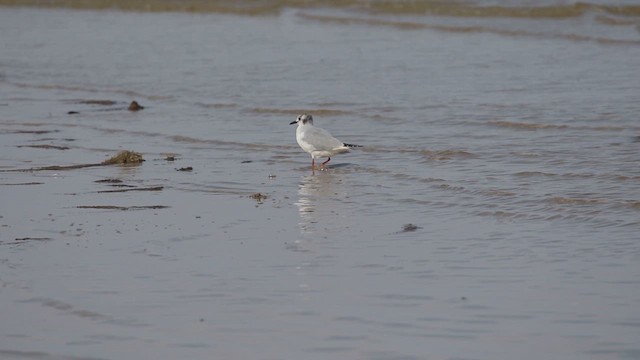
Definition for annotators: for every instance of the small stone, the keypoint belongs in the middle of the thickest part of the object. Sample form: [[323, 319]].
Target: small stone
[[134, 106]]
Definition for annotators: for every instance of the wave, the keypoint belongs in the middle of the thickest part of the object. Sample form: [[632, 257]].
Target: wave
[[460, 9], [559, 200], [535, 126], [446, 154], [403, 15], [78, 88], [525, 126], [385, 7], [296, 112], [413, 25]]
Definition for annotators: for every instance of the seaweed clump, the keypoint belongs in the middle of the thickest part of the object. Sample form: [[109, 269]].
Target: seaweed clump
[[124, 157]]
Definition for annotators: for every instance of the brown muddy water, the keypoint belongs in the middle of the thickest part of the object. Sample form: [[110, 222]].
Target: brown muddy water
[[493, 212]]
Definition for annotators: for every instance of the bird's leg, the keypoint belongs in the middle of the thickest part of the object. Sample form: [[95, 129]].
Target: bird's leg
[[313, 163], [328, 159]]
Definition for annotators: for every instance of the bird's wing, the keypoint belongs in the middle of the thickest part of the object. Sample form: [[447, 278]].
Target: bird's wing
[[321, 140]]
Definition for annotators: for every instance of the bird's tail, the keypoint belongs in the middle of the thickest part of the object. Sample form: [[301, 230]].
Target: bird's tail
[[351, 145]]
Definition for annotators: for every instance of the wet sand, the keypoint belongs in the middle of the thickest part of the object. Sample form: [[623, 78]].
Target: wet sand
[[492, 213]]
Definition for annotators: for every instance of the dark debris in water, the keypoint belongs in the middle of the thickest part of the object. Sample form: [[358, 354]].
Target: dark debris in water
[[25, 183], [117, 183], [33, 239], [36, 132], [45, 146], [98, 102], [109, 181], [112, 207], [187, 168], [124, 157], [410, 228], [259, 197], [134, 106], [24, 240], [152, 188]]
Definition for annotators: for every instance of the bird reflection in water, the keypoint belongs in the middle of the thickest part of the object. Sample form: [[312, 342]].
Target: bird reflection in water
[[323, 204]]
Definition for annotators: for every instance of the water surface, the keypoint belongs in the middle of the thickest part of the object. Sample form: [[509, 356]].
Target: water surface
[[508, 138]]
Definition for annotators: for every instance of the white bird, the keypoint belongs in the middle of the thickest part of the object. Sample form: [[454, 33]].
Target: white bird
[[318, 142]]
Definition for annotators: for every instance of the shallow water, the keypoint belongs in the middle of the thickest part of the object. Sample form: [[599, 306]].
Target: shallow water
[[511, 144]]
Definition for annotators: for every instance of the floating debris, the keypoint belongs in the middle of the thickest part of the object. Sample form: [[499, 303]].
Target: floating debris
[[44, 146], [154, 188], [98, 102], [109, 181], [112, 207], [124, 157], [36, 132], [410, 228], [246, 161], [259, 197], [188, 168], [27, 183], [121, 185], [134, 106], [33, 239], [170, 158]]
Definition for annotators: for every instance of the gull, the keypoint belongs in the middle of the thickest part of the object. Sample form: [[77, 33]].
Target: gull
[[318, 142]]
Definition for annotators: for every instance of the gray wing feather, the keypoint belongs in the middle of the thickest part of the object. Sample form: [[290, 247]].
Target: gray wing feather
[[321, 140]]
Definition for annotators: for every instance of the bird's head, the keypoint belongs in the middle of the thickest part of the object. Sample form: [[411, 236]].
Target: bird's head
[[303, 119]]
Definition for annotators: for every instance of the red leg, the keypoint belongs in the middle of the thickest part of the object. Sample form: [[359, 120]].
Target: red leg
[[313, 163], [328, 159]]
